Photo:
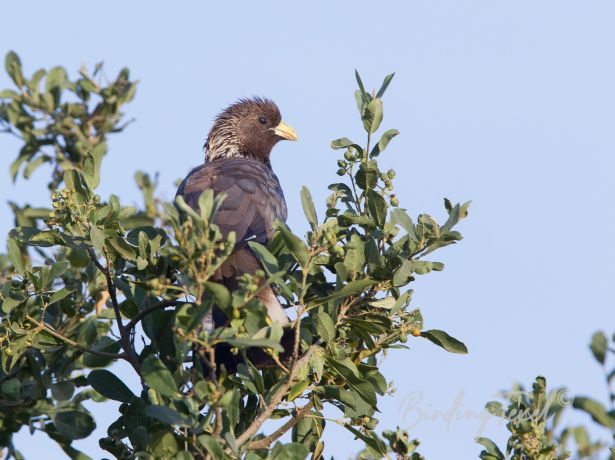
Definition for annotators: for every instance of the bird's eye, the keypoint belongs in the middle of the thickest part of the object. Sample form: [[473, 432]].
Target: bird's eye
[[263, 120]]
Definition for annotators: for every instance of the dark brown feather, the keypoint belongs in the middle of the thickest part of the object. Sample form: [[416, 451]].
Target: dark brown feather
[[254, 198]]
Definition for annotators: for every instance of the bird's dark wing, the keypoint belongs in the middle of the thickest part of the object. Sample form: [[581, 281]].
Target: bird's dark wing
[[254, 198]]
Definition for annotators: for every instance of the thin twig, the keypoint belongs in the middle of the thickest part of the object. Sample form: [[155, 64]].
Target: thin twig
[[157, 306]]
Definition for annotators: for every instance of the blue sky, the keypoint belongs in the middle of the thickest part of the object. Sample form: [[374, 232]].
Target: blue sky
[[509, 104]]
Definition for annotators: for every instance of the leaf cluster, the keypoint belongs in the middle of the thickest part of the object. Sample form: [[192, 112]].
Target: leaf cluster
[[534, 418]]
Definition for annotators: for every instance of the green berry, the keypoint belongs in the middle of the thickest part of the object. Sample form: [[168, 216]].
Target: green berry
[[394, 201], [391, 173], [341, 171]]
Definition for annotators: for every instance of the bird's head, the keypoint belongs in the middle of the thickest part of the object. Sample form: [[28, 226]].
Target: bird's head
[[247, 129]]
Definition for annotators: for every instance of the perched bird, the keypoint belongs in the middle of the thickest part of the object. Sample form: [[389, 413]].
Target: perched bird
[[237, 163]]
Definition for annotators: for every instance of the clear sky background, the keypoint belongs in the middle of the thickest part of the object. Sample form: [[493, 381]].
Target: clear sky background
[[509, 104]]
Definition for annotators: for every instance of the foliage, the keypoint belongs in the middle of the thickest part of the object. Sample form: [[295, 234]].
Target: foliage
[[89, 277], [534, 418]]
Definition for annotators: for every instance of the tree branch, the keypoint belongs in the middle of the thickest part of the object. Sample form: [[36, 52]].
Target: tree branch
[[265, 442], [129, 351], [275, 400]]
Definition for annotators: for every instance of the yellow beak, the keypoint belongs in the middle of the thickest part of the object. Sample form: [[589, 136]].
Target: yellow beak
[[285, 131]]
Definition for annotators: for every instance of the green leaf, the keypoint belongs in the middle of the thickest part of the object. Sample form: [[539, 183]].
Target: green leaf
[[91, 169], [422, 267], [296, 246], [383, 142], [403, 275], [62, 391], [290, 451], [9, 94], [206, 204], [158, 377], [385, 84], [12, 63], [74, 424], [372, 117], [163, 444], [308, 207], [455, 213], [367, 175], [377, 207], [58, 269], [492, 449], [15, 255], [54, 84], [165, 414], [105, 344], [110, 386], [400, 217], [11, 388], [344, 366], [59, 295], [74, 182], [212, 446], [185, 208], [97, 236], [14, 300], [325, 327], [33, 165], [183, 455], [267, 260], [445, 341], [220, 294], [368, 438], [346, 369], [360, 83], [596, 410], [297, 389], [123, 248], [599, 346], [317, 362], [260, 343], [496, 409], [387, 302], [344, 143], [141, 263], [354, 261], [35, 237], [352, 288]]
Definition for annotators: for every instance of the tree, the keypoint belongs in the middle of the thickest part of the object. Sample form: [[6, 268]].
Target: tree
[[534, 418], [89, 275]]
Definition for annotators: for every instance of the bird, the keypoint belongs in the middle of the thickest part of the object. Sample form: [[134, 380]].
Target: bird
[[237, 163]]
